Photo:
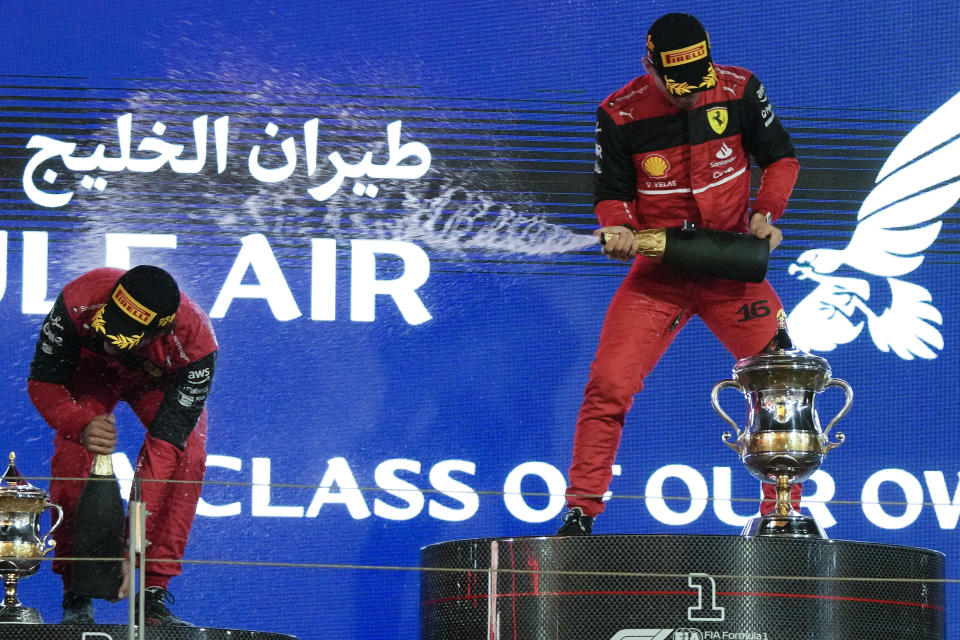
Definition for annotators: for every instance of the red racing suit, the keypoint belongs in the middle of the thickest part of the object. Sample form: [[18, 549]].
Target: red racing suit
[[656, 166], [165, 381]]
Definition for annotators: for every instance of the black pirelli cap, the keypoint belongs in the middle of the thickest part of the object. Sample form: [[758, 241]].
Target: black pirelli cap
[[144, 300], [679, 48]]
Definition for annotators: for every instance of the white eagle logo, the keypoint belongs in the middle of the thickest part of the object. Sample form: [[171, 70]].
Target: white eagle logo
[[896, 223]]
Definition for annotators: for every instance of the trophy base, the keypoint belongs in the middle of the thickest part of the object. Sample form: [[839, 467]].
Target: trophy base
[[20, 614], [792, 525]]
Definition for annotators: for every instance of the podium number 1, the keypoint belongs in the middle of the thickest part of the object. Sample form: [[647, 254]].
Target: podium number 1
[[703, 582]]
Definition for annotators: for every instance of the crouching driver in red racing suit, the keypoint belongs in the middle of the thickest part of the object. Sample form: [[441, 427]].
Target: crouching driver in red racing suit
[[674, 145], [132, 336]]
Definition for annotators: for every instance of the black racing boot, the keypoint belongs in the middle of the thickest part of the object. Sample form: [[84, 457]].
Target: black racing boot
[[77, 609], [156, 612], [575, 523]]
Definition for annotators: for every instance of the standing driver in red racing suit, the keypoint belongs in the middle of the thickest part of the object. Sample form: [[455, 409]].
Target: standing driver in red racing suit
[[675, 145], [132, 336]]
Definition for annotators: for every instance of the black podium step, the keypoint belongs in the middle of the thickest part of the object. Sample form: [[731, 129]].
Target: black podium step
[[16, 631], [679, 587]]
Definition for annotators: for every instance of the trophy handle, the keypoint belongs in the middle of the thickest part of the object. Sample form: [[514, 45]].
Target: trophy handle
[[53, 543], [716, 407], [848, 391]]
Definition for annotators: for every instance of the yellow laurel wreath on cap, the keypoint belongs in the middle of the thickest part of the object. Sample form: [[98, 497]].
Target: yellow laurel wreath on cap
[[125, 342], [162, 322], [709, 80], [97, 322], [683, 88], [119, 341], [677, 88]]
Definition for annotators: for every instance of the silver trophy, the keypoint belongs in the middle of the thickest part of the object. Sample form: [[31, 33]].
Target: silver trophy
[[782, 443], [21, 547]]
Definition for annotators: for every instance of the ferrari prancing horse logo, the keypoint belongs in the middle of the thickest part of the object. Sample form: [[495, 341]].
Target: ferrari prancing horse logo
[[718, 117]]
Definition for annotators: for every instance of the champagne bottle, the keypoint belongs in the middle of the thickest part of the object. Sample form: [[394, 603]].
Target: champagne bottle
[[98, 533], [721, 254]]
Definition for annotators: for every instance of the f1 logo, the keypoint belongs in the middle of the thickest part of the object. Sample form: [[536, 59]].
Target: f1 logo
[[643, 634]]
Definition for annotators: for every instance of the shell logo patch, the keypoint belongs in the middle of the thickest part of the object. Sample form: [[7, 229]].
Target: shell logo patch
[[655, 166], [718, 118]]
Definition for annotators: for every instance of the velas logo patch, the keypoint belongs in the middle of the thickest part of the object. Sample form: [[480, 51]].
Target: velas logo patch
[[129, 305], [677, 57]]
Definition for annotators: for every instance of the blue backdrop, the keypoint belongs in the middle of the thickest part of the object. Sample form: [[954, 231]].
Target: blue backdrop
[[405, 335]]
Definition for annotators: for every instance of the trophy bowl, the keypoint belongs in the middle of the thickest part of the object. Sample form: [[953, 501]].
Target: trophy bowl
[[782, 443], [21, 546]]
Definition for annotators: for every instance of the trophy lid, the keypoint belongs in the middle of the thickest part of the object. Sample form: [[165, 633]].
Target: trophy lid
[[14, 484], [782, 364]]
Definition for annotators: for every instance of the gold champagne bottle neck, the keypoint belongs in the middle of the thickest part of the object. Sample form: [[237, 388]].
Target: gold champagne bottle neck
[[650, 242], [102, 465]]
